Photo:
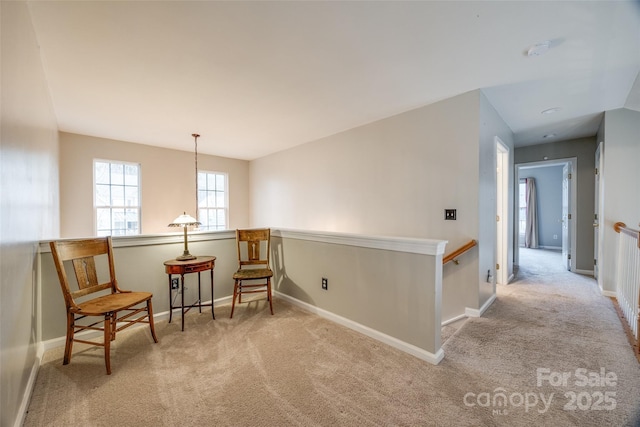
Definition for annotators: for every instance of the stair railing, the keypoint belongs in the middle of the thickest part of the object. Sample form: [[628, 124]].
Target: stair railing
[[628, 278], [453, 256]]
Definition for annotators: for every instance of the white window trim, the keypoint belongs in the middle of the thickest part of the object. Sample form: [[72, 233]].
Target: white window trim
[[226, 196], [95, 208]]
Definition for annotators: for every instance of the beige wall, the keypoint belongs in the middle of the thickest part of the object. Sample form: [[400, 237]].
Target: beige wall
[[491, 125], [620, 179], [393, 177], [396, 293], [29, 202], [168, 183]]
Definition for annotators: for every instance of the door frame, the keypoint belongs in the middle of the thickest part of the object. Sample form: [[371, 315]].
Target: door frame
[[573, 163], [598, 237], [566, 230], [502, 211]]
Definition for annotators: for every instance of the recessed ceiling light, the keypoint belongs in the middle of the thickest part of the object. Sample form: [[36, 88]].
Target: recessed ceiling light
[[551, 110], [539, 49], [549, 135]]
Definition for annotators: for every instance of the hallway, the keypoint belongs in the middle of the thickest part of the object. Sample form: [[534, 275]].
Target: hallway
[[539, 263]]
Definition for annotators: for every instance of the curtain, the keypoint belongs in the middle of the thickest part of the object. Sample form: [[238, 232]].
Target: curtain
[[531, 231]]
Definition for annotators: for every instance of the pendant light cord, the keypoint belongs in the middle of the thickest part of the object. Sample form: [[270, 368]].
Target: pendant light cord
[[195, 137]]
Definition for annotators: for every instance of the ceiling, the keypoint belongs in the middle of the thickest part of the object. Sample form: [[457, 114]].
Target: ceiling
[[253, 78]]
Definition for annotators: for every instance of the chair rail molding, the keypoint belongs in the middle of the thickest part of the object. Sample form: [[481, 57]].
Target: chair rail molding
[[398, 244], [157, 239]]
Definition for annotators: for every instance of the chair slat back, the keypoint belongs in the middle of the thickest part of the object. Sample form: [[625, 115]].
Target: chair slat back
[[82, 254], [85, 269], [253, 247]]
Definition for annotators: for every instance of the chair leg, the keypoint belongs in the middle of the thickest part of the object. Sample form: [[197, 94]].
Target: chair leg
[[114, 325], [151, 325], [269, 296], [71, 328], [107, 341], [233, 301]]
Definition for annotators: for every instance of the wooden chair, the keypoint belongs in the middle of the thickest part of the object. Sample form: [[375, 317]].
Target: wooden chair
[[84, 255], [254, 247]]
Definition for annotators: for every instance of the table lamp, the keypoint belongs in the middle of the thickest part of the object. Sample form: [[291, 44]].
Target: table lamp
[[185, 221]]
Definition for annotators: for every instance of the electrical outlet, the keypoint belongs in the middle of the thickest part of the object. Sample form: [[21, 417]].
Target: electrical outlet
[[450, 214], [325, 283], [175, 284]]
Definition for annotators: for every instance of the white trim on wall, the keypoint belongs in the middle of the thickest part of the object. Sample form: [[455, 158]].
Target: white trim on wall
[[398, 244], [502, 211], [411, 349], [31, 383], [474, 312], [160, 239], [387, 339], [584, 272], [453, 320], [87, 335]]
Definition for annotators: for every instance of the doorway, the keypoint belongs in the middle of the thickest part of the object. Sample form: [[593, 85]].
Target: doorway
[[565, 217]]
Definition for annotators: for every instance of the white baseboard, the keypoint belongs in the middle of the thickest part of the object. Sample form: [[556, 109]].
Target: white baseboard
[[454, 319], [474, 312], [610, 294], [31, 382], [584, 272], [365, 330], [60, 341], [553, 248]]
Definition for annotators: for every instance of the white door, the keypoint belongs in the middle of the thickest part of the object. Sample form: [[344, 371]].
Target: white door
[[596, 215], [566, 216]]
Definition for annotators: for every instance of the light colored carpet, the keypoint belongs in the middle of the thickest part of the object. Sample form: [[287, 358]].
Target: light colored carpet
[[297, 369]]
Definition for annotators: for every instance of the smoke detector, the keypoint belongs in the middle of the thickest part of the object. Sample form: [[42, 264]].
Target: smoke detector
[[538, 49], [551, 110]]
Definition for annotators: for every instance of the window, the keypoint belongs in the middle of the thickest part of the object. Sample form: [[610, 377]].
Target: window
[[116, 198], [212, 200], [522, 205]]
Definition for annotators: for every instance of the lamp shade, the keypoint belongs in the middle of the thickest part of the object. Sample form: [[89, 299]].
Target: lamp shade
[[184, 220]]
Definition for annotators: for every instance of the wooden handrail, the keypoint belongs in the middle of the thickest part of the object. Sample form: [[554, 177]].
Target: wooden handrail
[[621, 227], [462, 249], [618, 226]]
